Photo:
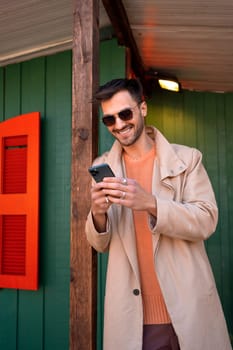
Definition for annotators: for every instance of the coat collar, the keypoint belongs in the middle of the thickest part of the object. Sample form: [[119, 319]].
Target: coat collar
[[169, 162]]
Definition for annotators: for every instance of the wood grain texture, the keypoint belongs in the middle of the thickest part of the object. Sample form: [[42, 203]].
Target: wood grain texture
[[84, 149]]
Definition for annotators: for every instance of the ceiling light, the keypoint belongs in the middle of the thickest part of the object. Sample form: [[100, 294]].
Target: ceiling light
[[163, 81], [169, 84]]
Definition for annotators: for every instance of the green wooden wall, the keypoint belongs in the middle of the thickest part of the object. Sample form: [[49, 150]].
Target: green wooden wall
[[36, 320]]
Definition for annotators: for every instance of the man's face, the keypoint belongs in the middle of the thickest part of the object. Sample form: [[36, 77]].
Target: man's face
[[126, 132]]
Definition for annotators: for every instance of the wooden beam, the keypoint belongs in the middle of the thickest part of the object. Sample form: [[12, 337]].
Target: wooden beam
[[118, 17], [84, 149]]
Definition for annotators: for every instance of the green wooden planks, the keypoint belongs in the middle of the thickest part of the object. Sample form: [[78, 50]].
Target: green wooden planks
[[9, 298], [30, 304], [112, 66], [12, 90], [40, 320], [2, 102], [56, 200]]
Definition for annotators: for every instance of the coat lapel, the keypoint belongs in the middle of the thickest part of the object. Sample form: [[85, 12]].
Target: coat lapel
[[126, 226]]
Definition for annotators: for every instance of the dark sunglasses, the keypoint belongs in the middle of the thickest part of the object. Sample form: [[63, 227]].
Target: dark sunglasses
[[125, 115]]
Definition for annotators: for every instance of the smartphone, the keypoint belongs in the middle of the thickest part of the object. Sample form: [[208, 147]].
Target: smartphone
[[98, 172]]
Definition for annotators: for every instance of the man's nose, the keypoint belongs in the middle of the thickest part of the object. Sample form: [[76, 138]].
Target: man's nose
[[118, 122]]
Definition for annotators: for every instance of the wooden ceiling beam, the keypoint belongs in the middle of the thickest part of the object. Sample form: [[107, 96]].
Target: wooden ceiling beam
[[119, 19]]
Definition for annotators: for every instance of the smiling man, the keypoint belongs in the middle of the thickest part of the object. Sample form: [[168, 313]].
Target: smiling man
[[153, 217]]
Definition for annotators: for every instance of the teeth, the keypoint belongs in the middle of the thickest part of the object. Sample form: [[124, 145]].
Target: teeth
[[124, 131]]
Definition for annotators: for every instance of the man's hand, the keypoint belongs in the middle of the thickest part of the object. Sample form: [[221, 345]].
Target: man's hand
[[129, 193], [99, 206], [119, 191]]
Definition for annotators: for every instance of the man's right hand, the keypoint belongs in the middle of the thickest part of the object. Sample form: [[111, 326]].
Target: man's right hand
[[99, 206]]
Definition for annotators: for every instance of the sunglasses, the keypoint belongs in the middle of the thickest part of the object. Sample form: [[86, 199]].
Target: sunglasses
[[125, 115]]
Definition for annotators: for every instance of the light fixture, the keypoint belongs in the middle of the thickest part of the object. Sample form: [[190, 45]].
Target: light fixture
[[163, 81], [170, 84]]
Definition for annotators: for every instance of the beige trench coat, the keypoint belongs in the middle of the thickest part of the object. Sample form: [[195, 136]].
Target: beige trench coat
[[187, 215]]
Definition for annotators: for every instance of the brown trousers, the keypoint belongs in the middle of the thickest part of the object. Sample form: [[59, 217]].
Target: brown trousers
[[159, 337]]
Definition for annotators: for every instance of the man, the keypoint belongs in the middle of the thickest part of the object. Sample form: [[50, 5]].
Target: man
[[153, 218]]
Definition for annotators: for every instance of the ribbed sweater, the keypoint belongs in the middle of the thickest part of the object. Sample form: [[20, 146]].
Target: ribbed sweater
[[154, 308]]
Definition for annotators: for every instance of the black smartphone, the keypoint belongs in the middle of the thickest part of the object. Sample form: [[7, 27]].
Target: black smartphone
[[98, 172]]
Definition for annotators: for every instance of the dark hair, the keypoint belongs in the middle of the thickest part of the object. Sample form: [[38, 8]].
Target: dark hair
[[133, 86]]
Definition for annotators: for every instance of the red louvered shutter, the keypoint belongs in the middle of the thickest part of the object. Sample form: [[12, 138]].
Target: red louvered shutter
[[19, 201]]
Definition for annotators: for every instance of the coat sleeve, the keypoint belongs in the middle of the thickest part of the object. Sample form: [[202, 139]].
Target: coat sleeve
[[194, 215], [99, 241]]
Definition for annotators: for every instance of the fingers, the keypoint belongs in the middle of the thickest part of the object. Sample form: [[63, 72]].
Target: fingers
[[116, 188], [120, 191], [110, 190], [119, 197], [117, 180], [99, 201], [123, 195]]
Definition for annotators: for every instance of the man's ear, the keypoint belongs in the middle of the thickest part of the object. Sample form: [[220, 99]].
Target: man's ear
[[143, 108]]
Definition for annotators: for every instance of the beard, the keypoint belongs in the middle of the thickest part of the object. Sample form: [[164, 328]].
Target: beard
[[136, 131]]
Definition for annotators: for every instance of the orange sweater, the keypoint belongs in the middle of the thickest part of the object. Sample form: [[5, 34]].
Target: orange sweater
[[154, 308]]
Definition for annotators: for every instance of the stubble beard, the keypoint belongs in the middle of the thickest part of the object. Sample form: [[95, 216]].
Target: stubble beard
[[138, 132]]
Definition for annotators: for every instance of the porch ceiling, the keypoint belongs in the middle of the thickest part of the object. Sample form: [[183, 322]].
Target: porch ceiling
[[190, 39]]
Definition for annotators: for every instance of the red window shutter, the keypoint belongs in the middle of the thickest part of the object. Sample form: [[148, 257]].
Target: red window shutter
[[19, 201]]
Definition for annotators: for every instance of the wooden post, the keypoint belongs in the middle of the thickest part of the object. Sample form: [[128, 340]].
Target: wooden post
[[84, 149]]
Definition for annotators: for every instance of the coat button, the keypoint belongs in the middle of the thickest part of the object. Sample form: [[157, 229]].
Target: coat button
[[136, 292]]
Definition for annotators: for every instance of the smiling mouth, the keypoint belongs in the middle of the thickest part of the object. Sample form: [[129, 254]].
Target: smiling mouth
[[124, 130]]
